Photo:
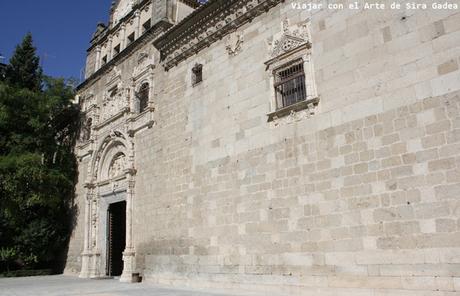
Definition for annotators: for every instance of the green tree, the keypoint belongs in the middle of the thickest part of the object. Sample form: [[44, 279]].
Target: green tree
[[24, 69], [38, 128]]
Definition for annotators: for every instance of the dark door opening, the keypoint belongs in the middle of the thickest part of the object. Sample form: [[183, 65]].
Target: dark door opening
[[116, 235]]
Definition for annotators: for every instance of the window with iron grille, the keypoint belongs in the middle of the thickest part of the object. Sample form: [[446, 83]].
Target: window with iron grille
[[197, 74], [289, 84], [143, 97]]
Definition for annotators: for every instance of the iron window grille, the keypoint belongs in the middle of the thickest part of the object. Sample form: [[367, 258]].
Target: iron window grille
[[143, 97], [289, 84], [197, 74]]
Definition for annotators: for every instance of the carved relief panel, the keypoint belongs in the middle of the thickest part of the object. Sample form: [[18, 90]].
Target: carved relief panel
[[290, 38], [117, 166], [116, 98], [234, 43]]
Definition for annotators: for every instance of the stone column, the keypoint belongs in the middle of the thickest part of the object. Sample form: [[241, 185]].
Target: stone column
[[123, 37], [98, 58], [132, 97], [151, 88], [137, 24]]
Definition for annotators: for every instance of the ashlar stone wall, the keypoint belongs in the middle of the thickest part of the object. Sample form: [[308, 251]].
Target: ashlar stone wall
[[359, 199]]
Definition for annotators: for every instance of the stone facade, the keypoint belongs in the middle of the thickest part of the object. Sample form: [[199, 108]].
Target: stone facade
[[356, 192]]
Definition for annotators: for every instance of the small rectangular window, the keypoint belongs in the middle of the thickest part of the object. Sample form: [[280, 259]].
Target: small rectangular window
[[290, 84], [116, 50], [130, 38], [197, 74], [104, 60], [146, 26]]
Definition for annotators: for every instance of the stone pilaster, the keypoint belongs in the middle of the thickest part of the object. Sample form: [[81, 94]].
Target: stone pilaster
[[86, 255], [137, 24], [123, 37], [95, 265], [129, 262], [110, 49], [98, 58]]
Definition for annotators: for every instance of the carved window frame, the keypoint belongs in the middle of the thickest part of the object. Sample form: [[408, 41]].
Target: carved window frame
[[302, 53], [137, 99], [88, 105], [142, 74]]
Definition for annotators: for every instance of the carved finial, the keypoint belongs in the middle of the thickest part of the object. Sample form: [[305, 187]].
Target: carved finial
[[285, 24]]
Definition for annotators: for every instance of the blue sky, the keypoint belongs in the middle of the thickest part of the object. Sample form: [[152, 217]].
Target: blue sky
[[61, 30]]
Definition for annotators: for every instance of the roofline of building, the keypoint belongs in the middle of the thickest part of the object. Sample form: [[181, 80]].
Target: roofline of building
[[138, 6], [97, 40], [147, 37], [208, 23]]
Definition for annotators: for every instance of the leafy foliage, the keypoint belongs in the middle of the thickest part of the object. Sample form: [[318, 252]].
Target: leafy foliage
[[38, 124]]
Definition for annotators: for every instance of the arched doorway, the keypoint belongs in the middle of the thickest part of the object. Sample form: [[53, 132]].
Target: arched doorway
[[110, 190]]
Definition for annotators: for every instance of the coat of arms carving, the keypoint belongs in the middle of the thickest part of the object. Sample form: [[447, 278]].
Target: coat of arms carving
[[234, 43]]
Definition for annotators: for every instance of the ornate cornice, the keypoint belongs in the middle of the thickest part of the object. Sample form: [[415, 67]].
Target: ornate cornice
[[207, 24]]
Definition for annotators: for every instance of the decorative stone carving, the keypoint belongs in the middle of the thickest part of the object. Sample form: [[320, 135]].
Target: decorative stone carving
[[114, 74], [117, 166], [101, 27], [115, 134], [290, 38], [114, 102], [295, 115], [142, 57], [123, 8], [234, 43], [144, 62], [94, 218], [86, 129]]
